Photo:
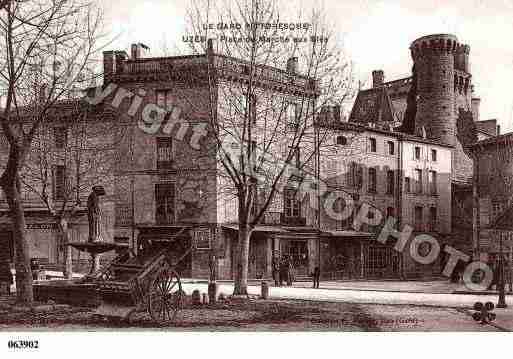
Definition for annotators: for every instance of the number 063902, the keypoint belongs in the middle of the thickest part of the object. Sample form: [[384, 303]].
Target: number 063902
[[23, 344]]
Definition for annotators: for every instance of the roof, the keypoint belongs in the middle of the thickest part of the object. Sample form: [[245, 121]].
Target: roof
[[506, 138], [372, 105], [488, 127], [353, 126]]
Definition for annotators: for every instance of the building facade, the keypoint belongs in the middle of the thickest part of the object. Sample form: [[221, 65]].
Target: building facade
[[437, 102], [401, 176]]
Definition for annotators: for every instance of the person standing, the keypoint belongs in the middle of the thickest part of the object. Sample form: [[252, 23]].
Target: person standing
[[284, 270], [276, 270], [290, 272], [316, 277]]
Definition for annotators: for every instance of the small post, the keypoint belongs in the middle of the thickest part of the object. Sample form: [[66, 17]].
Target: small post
[[264, 290], [205, 298], [196, 297]]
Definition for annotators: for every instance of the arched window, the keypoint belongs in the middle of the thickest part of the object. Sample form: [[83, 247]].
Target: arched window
[[341, 140]]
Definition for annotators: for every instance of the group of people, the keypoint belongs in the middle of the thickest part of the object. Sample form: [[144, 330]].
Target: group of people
[[282, 270]]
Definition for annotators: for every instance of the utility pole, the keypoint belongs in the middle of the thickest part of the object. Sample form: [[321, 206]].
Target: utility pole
[[132, 187]]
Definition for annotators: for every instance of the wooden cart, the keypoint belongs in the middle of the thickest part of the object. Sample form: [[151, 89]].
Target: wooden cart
[[143, 282]]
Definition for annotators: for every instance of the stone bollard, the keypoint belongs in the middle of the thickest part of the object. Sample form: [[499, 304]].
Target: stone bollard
[[212, 292], [196, 297], [265, 290]]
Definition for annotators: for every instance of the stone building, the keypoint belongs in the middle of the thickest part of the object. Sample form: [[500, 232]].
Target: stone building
[[70, 154], [493, 171], [171, 189], [400, 176]]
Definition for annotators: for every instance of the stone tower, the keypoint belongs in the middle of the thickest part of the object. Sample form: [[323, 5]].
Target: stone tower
[[434, 57], [444, 96]]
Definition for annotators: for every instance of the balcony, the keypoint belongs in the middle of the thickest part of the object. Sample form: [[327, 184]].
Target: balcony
[[279, 218]]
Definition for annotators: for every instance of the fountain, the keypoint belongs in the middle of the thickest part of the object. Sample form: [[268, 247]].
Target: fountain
[[82, 292], [95, 244]]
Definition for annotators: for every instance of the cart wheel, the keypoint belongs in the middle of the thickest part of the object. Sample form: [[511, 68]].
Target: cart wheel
[[165, 297]]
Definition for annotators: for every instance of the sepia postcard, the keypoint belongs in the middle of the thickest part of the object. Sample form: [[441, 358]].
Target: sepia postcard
[[254, 166]]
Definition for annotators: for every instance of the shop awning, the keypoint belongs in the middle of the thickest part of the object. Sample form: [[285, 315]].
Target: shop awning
[[258, 228], [348, 234]]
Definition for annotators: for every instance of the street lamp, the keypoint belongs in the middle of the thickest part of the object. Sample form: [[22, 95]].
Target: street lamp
[[502, 294]]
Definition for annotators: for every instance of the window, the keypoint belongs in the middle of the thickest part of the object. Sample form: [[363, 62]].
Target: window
[[416, 153], [164, 153], [295, 156], [372, 142], [390, 212], [292, 116], [60, 135], [340, 206], [418, 181], [341, 140], [372, 180], [433, 155], [391, 148], [355, 175], [496, 209], [59, 182], [165, 203], [164, 99], [291, 203], [390, 181], [407, 185], [432, 219], [432, 182], [418, 218]]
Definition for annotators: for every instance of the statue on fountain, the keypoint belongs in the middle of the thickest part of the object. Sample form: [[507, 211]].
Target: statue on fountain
[[94, 213], [94, 244]]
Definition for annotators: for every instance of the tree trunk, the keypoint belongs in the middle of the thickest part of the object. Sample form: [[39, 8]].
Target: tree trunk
[[68, 264], [24, 290], [241, 263]]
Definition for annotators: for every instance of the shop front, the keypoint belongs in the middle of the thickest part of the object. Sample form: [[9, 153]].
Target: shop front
[[352, 255]]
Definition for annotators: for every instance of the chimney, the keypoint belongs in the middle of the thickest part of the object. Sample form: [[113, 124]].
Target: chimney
[[120, 59], [292, 65], [139, 51], [476, 101], [109, 66], [378, 78]]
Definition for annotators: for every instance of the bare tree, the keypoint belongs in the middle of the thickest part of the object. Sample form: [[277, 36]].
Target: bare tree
[[46, 48], [69, 156], [266, 139]]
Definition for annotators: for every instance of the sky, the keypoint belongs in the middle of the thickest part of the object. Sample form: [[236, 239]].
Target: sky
[[376, 34]]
